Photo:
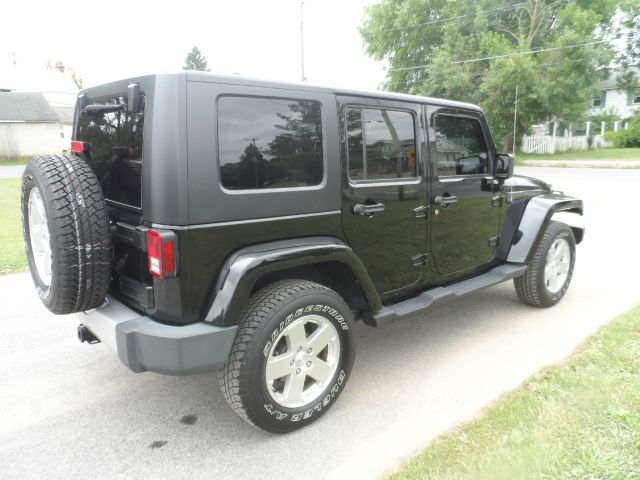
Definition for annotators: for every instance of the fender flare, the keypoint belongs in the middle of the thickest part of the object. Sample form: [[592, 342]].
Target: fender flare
[[243, 268], [535, 219]]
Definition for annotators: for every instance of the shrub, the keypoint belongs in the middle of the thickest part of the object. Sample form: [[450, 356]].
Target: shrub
[[626, 138]]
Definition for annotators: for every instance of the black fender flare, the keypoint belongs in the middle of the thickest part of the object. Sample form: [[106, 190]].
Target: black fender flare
[[534, 221], [244, 267]]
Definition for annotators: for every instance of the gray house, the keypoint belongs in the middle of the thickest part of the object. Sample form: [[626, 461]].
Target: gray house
[[30, 125], [613, 98]]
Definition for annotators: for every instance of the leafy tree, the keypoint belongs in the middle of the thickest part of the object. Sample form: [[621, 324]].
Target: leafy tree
[[195, 61], [480, 51], [77, 79]]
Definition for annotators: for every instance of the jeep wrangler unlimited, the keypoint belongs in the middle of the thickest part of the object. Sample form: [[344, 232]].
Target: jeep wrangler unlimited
[[205, 222]]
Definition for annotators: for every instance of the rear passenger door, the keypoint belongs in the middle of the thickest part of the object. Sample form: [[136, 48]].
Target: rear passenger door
[[465, 211], [383, 190]]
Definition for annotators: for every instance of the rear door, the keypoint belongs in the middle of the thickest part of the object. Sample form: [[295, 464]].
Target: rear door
[[384, 191], [465, 212]]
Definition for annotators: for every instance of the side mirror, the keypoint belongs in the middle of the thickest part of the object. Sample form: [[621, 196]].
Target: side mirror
[[504, 166], [133, 98]]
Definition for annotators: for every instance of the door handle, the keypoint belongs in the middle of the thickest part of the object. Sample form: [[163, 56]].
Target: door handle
[[369, 210], [445, 201]]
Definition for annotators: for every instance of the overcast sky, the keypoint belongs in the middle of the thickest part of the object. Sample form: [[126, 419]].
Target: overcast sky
[[108, 40]]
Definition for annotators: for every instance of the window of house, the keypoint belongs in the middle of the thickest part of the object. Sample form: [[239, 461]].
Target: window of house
[[381, 144], [461, 146], [636, 98], [266, 143], [596, 102]]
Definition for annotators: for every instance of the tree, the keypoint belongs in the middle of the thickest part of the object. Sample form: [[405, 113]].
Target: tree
[[195, 61], [553, 50]]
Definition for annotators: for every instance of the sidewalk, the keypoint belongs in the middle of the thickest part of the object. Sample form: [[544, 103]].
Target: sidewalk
[[11, 171], [583, 163]]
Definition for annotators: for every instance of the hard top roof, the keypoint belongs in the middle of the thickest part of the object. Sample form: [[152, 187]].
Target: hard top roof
[[194, 76]]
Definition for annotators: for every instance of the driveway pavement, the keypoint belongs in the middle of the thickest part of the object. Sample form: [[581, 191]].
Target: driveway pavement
[[73, 411], [11, 171]]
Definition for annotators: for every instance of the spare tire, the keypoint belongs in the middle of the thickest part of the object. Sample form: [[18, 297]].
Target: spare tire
[[66, 233]]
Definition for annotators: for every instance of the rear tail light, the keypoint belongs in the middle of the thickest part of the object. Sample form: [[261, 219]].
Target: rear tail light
[[79, 147], [161, 253]]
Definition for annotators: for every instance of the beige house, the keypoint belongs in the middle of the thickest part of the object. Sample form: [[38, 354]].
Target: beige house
[[36, 111]]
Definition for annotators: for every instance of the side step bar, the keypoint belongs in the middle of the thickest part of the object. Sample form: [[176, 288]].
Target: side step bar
[[440, 295]]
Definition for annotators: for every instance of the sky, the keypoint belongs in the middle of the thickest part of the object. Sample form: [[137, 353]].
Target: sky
[[109, 40]]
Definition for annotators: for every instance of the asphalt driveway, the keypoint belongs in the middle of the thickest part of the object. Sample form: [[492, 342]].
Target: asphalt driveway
[[73, 411]]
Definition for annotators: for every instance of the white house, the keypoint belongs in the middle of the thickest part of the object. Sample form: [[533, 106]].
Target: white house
[[614, 99], [36, 110]]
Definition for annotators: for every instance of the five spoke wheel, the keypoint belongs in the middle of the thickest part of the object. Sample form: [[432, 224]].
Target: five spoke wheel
[[302, 361]]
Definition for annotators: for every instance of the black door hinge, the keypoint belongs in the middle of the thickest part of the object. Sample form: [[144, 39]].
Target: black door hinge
[[419, 260], [497, 200], [494, 241], [421, 211]]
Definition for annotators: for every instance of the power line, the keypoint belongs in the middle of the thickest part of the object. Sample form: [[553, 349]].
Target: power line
[[448, 19], [493, 57], [478, 74]]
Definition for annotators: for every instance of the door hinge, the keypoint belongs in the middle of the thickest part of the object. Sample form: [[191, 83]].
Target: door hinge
[[497, 200], [419, 260], [494, 241], [420, 212]]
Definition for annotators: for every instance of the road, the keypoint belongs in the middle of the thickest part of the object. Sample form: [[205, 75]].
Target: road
[[73, 411], [11, 171]]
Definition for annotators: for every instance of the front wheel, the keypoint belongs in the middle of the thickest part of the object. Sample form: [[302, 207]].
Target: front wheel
[[291, 357], [551, 268]]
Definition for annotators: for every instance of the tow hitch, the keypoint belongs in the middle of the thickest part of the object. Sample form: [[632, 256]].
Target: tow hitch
[[86, 335]]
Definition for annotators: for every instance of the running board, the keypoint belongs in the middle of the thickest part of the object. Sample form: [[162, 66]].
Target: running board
[[440, 295]]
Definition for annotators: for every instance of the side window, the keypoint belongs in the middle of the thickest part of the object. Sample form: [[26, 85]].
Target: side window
[[269, 143], [461, 146], [385, 149]]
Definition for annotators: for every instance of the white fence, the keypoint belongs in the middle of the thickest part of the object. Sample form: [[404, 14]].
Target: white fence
[[550, 144], [556, 143]]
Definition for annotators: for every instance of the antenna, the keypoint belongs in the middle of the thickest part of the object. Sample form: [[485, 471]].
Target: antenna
[[515, 117], [304, 79]]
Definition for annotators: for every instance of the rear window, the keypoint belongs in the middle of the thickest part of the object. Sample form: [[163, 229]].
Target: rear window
[[115, 136], [267, 143]]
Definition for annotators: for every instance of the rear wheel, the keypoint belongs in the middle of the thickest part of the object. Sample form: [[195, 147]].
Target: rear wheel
[[292, 355], [551, 268], [66, 233]]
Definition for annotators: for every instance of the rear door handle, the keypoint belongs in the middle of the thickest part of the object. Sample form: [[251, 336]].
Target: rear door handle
[[369, 210], [445, 201]]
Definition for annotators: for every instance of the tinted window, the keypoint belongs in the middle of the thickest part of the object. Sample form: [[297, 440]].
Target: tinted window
[[115, 155], [461, 146], [386, 150], [269, 143]]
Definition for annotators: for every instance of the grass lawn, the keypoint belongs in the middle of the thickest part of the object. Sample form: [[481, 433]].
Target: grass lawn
[[619, 154], [12, 256], [576, 420], [14, 161]]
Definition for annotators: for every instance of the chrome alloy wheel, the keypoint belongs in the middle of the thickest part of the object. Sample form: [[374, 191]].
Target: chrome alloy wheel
[[302, 361], [556, 269], [39, 236]]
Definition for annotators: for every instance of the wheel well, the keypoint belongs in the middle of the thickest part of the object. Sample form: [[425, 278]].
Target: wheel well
[[334, 275]]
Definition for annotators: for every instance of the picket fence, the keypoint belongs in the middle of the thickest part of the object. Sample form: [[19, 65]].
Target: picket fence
[[550, 144]]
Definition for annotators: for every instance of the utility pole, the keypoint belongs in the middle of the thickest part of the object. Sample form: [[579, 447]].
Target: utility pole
[[304, 79], [515, 117]]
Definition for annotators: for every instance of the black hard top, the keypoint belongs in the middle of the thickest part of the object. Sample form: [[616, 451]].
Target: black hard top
[[194, 76]]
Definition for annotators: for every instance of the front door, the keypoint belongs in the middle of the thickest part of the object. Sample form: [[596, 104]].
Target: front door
[[464, 212], [384, 192]]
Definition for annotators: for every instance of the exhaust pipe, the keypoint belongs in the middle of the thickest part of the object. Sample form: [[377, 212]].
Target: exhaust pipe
[[86, 335]]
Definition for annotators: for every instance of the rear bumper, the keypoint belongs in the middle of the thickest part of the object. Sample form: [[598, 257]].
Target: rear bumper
[[143, 344]]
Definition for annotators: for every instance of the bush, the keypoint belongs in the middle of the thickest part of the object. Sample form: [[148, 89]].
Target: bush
[[626, 138]]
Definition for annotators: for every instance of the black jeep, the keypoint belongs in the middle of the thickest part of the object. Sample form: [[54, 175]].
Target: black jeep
[[205, 222]]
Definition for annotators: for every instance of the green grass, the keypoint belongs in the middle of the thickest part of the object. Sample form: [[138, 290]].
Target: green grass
[[12, 256], [618, 154], [576, 420], [13, 160]]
